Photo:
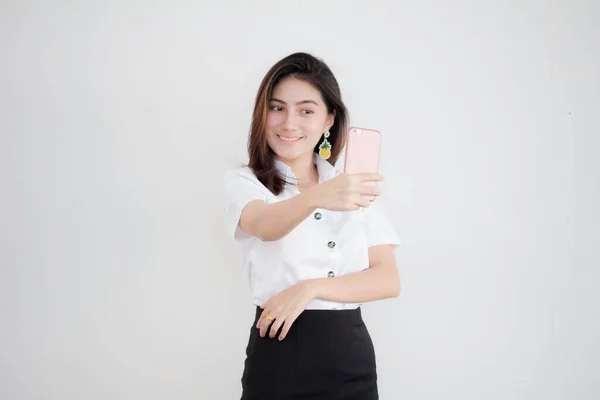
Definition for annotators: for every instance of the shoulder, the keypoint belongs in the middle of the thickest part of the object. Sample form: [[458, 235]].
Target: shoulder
[[243, 175], [242, 181], [240, 172]]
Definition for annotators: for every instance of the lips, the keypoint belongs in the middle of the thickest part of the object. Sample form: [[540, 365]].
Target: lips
[[289, 139]]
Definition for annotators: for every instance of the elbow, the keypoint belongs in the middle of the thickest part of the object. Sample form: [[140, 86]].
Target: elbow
[[266, 235], [395, 287], [389, 283], [269, 238], [395, 291], [392, 282]]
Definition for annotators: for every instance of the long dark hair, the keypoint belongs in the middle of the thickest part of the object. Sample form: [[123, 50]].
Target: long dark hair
[[314, 71]]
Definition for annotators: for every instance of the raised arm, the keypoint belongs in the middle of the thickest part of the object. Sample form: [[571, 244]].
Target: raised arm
[[273, 221], [270, 222]]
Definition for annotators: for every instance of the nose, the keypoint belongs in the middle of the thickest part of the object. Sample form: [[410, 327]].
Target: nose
[[290, 122]]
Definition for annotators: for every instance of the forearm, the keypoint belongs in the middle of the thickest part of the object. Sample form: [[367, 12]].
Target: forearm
[[375, 283], [274, 221]]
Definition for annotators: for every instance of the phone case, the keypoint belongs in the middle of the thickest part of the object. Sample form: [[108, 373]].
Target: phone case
[[363, 147]]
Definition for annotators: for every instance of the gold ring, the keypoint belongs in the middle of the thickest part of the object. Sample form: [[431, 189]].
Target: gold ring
[[270, 318]]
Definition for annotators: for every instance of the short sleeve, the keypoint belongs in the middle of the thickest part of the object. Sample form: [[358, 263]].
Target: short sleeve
[[378, 228], [240, 189]]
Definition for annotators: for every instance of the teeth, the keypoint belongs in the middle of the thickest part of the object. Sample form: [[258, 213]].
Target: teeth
[[288, 139]]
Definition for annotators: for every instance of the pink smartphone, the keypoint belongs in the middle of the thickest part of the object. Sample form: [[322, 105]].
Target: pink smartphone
[[363, 147]]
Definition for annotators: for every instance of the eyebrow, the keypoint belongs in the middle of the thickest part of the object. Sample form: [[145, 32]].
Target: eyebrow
[[298, 103]]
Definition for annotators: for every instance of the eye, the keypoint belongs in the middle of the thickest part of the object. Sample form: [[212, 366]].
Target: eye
[[307, 111], [276, 108]]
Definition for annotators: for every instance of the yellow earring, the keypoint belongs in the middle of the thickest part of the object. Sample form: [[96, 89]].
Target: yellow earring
[[325, 147]]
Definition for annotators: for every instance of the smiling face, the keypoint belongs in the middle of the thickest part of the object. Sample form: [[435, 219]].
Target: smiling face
[[297, 117]]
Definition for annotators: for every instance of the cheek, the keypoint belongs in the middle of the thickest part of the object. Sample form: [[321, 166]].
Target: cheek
[[272, 120], [314, 128]]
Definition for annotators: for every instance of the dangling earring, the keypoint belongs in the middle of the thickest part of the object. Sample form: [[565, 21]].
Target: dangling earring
[[325, 147]]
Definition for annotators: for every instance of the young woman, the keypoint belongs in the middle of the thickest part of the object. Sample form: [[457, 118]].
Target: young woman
[[314, 246]]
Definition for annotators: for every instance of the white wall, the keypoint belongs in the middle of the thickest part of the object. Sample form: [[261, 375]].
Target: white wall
[[118, 119]]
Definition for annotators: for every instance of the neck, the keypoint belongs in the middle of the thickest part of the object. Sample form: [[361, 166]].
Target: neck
[[303, 169]]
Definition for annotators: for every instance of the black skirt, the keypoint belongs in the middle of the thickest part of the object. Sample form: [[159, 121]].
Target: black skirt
[[327, 354]]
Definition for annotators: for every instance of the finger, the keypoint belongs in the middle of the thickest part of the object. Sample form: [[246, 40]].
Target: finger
[[351, 205], [264, 326], [262, 316], [266, 309], [286, 327], [275, 326], [264, 322], [362, 201], [368, 177], [368, 189]]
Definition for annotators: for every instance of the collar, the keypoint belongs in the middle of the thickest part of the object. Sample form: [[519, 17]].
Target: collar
[[325, 170]]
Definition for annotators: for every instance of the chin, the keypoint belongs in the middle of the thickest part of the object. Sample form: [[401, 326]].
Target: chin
[[286, 155]]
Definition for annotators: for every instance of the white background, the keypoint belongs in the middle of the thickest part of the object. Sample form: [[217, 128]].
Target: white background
[[118, 119]]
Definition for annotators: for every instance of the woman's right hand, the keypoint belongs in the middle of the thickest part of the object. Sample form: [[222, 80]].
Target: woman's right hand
[[346, 192]]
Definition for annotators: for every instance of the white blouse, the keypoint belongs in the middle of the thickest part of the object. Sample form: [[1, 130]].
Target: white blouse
[[326, 244]]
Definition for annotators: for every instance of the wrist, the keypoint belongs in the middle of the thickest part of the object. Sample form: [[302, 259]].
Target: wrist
[[313, 286], [312, 196]]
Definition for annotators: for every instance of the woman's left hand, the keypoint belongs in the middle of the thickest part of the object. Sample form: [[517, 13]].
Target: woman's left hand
[[284, 308]]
